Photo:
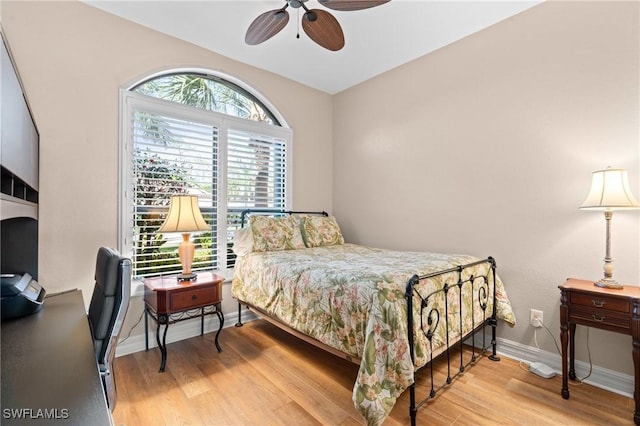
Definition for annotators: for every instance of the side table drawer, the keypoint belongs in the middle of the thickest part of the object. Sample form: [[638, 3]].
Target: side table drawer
[[600, 318], [194, 298], [601, 302]]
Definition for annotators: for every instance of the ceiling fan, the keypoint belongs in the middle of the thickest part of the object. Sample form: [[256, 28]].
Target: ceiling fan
[[319, 25]]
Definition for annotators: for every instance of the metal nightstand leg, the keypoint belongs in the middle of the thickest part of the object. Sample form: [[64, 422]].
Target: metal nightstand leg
[[162, 320], [221, 318], [146, 329]]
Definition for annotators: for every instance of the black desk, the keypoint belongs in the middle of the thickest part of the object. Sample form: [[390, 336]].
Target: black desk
[[49, 369]]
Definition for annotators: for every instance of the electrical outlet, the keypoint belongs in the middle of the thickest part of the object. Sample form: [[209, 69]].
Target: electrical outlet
[[535, 318]]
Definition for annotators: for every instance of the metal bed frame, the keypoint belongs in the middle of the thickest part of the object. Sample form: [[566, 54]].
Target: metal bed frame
[[430, 319], [433, 318]]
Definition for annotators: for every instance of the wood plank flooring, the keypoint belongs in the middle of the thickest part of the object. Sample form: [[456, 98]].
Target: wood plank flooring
[[264, 376]]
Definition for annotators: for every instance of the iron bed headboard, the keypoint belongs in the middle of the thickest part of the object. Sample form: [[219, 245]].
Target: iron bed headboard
[[247, 212]]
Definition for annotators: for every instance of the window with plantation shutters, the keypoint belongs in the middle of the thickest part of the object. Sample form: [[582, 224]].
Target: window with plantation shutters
[[168, 148], [255, 170], [171, 156]]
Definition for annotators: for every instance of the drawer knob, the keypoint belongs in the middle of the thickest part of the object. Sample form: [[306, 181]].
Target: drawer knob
[[598, 318], [598, 303], [194, 297]]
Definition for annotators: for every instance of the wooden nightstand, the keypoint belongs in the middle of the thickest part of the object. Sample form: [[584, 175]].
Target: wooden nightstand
[[581, 302], [168, 301]]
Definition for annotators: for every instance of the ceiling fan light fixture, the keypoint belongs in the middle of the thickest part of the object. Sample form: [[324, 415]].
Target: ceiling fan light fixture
[[320, 26]]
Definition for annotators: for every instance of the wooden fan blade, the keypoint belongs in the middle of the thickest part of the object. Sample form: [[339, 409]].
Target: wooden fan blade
[[266, 26], [324, 29], [351, 4]]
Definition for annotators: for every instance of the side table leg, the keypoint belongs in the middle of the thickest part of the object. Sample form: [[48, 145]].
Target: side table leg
[[564, 340], [221, 318], [146, 329], [572, 351], [162, 320], [201, 321], [635, 334]]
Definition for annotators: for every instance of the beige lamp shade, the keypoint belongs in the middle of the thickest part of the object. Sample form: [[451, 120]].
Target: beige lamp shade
[[184, 215], [610, 191]]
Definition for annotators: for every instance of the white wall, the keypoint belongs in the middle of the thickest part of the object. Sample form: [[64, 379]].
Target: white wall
[[73, 59], [487, 147]]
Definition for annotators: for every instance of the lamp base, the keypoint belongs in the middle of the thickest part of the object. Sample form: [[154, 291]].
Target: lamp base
[[608, 283], [187, 277]]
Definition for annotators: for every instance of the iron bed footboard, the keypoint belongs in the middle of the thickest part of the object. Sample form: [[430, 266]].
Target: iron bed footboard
[[430, 319]]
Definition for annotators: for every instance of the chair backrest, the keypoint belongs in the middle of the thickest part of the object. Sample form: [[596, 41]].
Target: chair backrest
[[109, 302]]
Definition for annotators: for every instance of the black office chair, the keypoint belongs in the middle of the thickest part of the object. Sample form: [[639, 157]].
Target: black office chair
[[107, 310]]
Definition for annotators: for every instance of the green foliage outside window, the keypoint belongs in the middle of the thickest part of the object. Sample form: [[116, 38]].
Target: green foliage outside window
[[150, 204]]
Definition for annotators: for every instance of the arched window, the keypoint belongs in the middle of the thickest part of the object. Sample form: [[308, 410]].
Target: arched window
[[207, 92], [198, 134]]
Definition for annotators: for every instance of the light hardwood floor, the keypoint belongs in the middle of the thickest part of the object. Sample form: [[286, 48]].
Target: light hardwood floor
[[267, 377]]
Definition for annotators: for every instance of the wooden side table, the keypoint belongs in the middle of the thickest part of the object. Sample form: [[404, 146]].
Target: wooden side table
[[168, 301], [618, 310]]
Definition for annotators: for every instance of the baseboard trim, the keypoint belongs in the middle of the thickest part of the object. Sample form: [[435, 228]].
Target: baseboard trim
[[610, 380]]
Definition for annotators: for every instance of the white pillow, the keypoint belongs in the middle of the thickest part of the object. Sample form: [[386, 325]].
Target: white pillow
[[242, 241]]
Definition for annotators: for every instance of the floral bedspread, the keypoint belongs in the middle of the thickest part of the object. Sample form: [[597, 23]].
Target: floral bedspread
[[351, 297]]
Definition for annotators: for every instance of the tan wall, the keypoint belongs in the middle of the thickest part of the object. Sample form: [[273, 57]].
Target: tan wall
[[510, 121], [487, 147], [73, 59]]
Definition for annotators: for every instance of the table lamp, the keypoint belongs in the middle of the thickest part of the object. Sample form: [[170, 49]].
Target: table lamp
[[609, 192], [184, 217]]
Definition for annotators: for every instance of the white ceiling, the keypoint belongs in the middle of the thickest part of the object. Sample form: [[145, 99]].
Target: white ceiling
[[376, 39]]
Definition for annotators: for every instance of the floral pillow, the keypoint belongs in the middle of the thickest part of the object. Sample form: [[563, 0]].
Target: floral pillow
[[320, 231], [275, 233]]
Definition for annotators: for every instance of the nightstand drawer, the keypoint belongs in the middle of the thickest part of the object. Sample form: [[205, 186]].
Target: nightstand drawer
[[599, 318], [194, 298], [601, 302]]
